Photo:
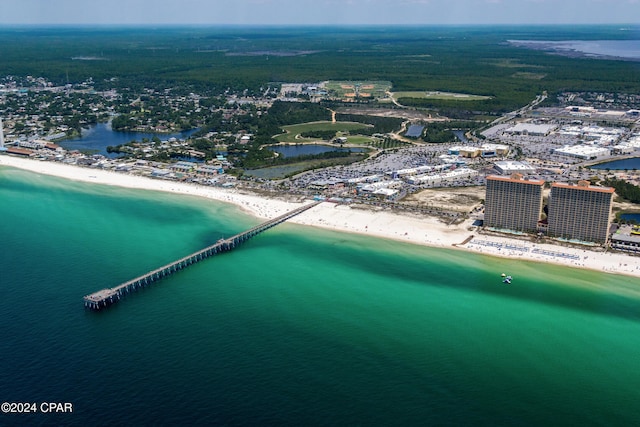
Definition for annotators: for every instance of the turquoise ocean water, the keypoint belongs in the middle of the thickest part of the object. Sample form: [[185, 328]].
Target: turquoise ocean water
[[297, 327]]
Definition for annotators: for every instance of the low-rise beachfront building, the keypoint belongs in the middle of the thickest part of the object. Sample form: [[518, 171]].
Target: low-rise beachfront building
[[513, 203], [209, 169], [580, 212], [183, 166], [386, 193], [24, 152], [625, 242]]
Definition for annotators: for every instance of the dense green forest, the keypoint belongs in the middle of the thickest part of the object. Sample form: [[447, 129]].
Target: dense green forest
[[475, 60]]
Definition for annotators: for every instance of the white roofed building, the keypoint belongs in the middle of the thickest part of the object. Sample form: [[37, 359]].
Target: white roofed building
[[585, 152], [530, 129], [439, 178], [509, 167]]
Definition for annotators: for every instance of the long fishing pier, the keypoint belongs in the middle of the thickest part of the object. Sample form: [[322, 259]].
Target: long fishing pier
[[106, 297]]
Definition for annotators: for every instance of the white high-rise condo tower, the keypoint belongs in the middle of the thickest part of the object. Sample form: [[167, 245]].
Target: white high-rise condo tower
[[1, 137]]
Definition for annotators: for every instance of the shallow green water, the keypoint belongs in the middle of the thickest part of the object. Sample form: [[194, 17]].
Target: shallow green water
[[298, 327]]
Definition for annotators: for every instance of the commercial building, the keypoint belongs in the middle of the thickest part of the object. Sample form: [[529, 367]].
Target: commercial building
[[584, 152], [485, 150], [465, 151], [530, 129], [492, 150], [444, 177], [513, 203], [509, 167], [580, 212]]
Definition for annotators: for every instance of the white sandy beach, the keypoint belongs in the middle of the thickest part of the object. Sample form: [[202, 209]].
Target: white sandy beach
[[413, 229]]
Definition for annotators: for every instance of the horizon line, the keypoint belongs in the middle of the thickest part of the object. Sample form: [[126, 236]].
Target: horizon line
[[306, 25]]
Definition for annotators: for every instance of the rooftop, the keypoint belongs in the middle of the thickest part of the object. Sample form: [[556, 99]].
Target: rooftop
[[584, 186], [516, 180]]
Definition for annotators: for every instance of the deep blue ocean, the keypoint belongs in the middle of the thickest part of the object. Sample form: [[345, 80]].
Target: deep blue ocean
[[299, 326]]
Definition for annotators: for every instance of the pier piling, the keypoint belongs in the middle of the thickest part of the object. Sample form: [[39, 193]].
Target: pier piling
[[106, 297]]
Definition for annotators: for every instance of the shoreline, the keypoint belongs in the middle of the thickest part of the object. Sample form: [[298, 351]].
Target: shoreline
[[424, 231]]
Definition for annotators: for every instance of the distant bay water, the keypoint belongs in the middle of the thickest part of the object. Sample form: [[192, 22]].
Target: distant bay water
[[610, 49], [299, 326]]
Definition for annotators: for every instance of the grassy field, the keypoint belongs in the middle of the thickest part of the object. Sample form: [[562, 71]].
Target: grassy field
[[438, 95], [293, 131], [357, 89], [360, 140]]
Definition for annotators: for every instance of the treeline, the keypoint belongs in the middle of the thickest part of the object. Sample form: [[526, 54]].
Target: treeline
[[468, 109], [325, 135], [380, 124], [624, 189]]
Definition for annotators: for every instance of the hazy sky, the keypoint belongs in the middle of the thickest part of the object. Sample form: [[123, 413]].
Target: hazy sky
[[292, 12]]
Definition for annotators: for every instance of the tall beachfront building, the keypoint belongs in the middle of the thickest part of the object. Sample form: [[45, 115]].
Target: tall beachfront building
[[1, 137], [580, 212], [513, 203]]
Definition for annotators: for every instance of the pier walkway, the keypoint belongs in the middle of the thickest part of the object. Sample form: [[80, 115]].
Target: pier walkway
[[106, 297]]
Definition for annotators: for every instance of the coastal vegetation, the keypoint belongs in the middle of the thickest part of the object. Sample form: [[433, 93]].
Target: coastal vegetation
[[624, 189], [210, 61]]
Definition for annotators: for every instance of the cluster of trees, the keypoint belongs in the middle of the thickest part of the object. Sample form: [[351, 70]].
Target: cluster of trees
[[326, 135], [443, 131], [290, 113], [624, 189], [387, 143]]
